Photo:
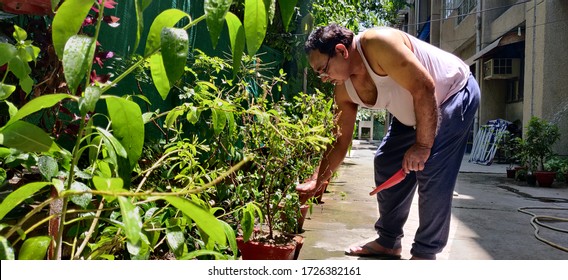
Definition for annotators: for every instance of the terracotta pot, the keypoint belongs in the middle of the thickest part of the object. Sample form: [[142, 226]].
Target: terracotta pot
[[27, 7], [304, 211], [254, 250], [545, 178]]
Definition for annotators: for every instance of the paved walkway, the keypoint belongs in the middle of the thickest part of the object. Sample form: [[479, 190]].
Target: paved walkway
[[486, 223]]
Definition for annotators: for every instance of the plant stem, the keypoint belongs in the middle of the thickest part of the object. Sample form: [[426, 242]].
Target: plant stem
[[91, 230], [154, 166], [75, 160]]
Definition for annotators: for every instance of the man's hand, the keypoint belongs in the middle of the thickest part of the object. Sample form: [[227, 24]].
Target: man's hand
[[415, 158], [306, 190]]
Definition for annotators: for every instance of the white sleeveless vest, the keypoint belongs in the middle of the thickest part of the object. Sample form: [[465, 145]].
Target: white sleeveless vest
[[449, 72]]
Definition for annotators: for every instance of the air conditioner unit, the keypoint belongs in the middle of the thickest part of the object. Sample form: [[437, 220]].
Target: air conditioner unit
[[501, 68]]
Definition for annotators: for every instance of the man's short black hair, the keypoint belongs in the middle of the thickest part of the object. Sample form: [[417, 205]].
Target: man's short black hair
[[324, 39]]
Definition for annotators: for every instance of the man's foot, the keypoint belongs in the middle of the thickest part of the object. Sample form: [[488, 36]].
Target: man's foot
[[372, 249]]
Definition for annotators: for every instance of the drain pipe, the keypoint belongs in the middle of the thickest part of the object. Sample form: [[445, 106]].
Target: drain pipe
[[533, 58], [478, 64]]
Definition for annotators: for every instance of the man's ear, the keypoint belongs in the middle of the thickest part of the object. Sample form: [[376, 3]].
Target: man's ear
[[340, 48]]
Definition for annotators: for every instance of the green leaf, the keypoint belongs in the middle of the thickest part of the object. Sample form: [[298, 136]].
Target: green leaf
[[88, 101], [204, 220], [175, 48], [131, 219], [167, 18], [175, 240], [20, 68], [172, 116], [230, 233], [140, 6], [47, 167], [193, 114], [12, 109], [25, 137], [247, 223], [194, 254], [6, 90], [6, 251], [118, 148], [83, 199], [26, 84], [255, 24], [77, 57], [7, 52], [19, 34], [34, 248], [237, 38], [38, 103], [287, 8], [68, 21], [219, 119], [216, 11], [127, 126], [270, 9], [19, 195], [108, 185], [159, 75]]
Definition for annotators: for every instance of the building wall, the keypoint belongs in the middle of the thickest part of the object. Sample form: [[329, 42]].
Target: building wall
[[545, 82]]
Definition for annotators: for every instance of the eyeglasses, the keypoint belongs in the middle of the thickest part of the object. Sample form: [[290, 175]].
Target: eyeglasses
[[325, 68]]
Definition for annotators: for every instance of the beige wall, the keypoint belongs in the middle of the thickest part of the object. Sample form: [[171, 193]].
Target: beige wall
[[492, 104], [545, 61]]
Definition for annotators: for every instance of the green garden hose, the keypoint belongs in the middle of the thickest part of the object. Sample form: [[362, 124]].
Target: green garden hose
[[537, 220]]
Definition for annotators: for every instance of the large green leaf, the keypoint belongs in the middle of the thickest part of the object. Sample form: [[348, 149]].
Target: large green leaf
[[77, 57], [287, 8], [127, 126], [34, 248], [19, 195], [68, 21], [25, 137], [159, 75], [6, 251], [204, 220], [167, 18], [255, 24], [131, 219], [270, 9], [108, 185], [237, 38], [216, 11], [176, 240], [175, 48], [36, 104]]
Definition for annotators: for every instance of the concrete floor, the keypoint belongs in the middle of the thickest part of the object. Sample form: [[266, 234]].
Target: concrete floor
[[486, 223]]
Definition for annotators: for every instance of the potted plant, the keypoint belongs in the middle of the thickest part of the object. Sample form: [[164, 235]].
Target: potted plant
[[285, 143], [559, 166], [540, 136], [510, 147]]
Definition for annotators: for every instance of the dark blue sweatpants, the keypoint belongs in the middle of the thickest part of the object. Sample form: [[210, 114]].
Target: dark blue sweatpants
[[435, 183]]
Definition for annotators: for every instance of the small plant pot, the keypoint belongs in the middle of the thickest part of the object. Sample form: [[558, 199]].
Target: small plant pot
[[511, 173], [531, 179], [545, 178], [255, 250]]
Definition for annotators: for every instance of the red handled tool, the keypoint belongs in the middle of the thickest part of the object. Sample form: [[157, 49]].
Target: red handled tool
[[395, 179]]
